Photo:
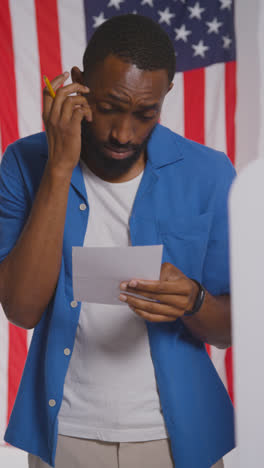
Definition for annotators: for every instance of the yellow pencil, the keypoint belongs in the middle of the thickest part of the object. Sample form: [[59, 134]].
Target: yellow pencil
[[50, 89]]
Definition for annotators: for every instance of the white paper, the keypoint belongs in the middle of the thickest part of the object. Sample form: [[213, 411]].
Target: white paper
[[98, 271]]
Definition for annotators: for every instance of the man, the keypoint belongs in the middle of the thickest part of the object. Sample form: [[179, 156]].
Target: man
[[130, 385]]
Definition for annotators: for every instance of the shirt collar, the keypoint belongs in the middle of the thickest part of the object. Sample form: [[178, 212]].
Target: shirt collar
[[164, 147]]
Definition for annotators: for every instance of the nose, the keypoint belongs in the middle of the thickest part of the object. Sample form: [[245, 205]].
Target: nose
[[122, 130]]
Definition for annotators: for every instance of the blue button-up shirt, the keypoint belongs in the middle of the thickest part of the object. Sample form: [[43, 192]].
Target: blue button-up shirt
[[181, 203]]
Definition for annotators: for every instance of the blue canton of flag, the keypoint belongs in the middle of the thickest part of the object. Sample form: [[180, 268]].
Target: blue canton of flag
[[201, 31]]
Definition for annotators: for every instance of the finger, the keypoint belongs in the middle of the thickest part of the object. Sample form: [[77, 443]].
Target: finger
[[87, 114], [151, 307], [59, 80], [72, 88], [53, 110], [69, 105], [77, 117], [62, 94], [176, 300], [68, 89], [181, 286], [153, 318], [47, 99]]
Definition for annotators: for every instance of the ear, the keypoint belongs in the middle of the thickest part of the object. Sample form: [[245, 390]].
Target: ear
[[77, 75]]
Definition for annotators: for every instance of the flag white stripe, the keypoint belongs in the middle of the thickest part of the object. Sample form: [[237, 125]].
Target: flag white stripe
[[3, 373], [218, 358], [215, 128], [172, 115], [27, 69], [29, 337], [72, 33]]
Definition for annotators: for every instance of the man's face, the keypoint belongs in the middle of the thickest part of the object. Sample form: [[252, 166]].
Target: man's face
[[126, 104]]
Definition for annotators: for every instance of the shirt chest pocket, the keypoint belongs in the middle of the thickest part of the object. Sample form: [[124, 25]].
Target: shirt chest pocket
[[185, 243]]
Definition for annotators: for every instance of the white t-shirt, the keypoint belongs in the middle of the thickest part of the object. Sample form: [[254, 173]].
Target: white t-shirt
[[110, 391]]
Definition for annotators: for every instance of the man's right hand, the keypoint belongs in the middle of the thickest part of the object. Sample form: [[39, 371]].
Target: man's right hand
[[62, 118]]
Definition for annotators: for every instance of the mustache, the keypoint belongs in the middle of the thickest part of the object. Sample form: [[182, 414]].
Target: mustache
[[120, 147]]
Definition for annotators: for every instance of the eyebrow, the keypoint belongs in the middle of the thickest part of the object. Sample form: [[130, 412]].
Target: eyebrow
[[149, 107], [116, 98], [142, 107]]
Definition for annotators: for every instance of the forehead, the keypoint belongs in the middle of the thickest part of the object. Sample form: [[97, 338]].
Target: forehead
[[125, 79]]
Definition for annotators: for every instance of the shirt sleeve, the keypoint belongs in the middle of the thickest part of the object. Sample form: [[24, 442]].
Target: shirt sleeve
[[216, 274], [14, 201]]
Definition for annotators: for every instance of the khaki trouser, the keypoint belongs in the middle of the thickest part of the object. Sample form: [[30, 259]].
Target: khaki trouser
[[84, 453]]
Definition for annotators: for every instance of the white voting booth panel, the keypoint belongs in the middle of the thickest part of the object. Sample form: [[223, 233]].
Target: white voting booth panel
[[12, 458], [247, 263]]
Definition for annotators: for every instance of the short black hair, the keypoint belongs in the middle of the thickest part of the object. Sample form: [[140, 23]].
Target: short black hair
[[135, 39]]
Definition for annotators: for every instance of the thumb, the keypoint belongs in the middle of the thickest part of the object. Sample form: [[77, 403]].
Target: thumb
[[170, 272]]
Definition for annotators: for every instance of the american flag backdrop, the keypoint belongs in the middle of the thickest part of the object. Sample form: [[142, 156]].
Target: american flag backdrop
[[47, 37]]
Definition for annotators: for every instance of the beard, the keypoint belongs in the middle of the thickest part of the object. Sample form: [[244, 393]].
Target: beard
[[92, 153]]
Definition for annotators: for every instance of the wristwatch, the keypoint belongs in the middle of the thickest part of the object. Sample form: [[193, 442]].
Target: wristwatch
[[198, 302]]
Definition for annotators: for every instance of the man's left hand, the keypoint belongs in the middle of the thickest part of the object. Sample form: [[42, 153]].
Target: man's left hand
[[173, 294]]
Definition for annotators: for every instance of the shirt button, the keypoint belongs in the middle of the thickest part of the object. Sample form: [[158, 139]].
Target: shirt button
[[52, 403], [74, 304], [83, 207], [67, 351]]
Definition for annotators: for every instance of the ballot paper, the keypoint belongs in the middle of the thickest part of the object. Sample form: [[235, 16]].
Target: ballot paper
[[98, 271]]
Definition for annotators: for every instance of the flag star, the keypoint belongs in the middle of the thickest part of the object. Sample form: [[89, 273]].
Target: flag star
[[226, 4], [182, 33], [227, 42], [213, 26], [115, 3], [196, 11], [165, 16], [199, 49], [98, 20], [147, 2]]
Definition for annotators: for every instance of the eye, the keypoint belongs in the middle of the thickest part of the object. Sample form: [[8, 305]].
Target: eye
[[105, 108], [147, 116]]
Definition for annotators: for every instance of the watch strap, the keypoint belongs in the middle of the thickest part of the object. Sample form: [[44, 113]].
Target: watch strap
[[198, 301]]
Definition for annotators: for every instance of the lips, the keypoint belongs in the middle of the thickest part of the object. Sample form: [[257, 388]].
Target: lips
[[117, 153]]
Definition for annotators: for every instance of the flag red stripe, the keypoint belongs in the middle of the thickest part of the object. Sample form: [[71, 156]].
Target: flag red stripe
[[8, 108], [230, 108], [17, 350], [16, 361], [229, 372], [208, 349], [48, 39], [194, 105]]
